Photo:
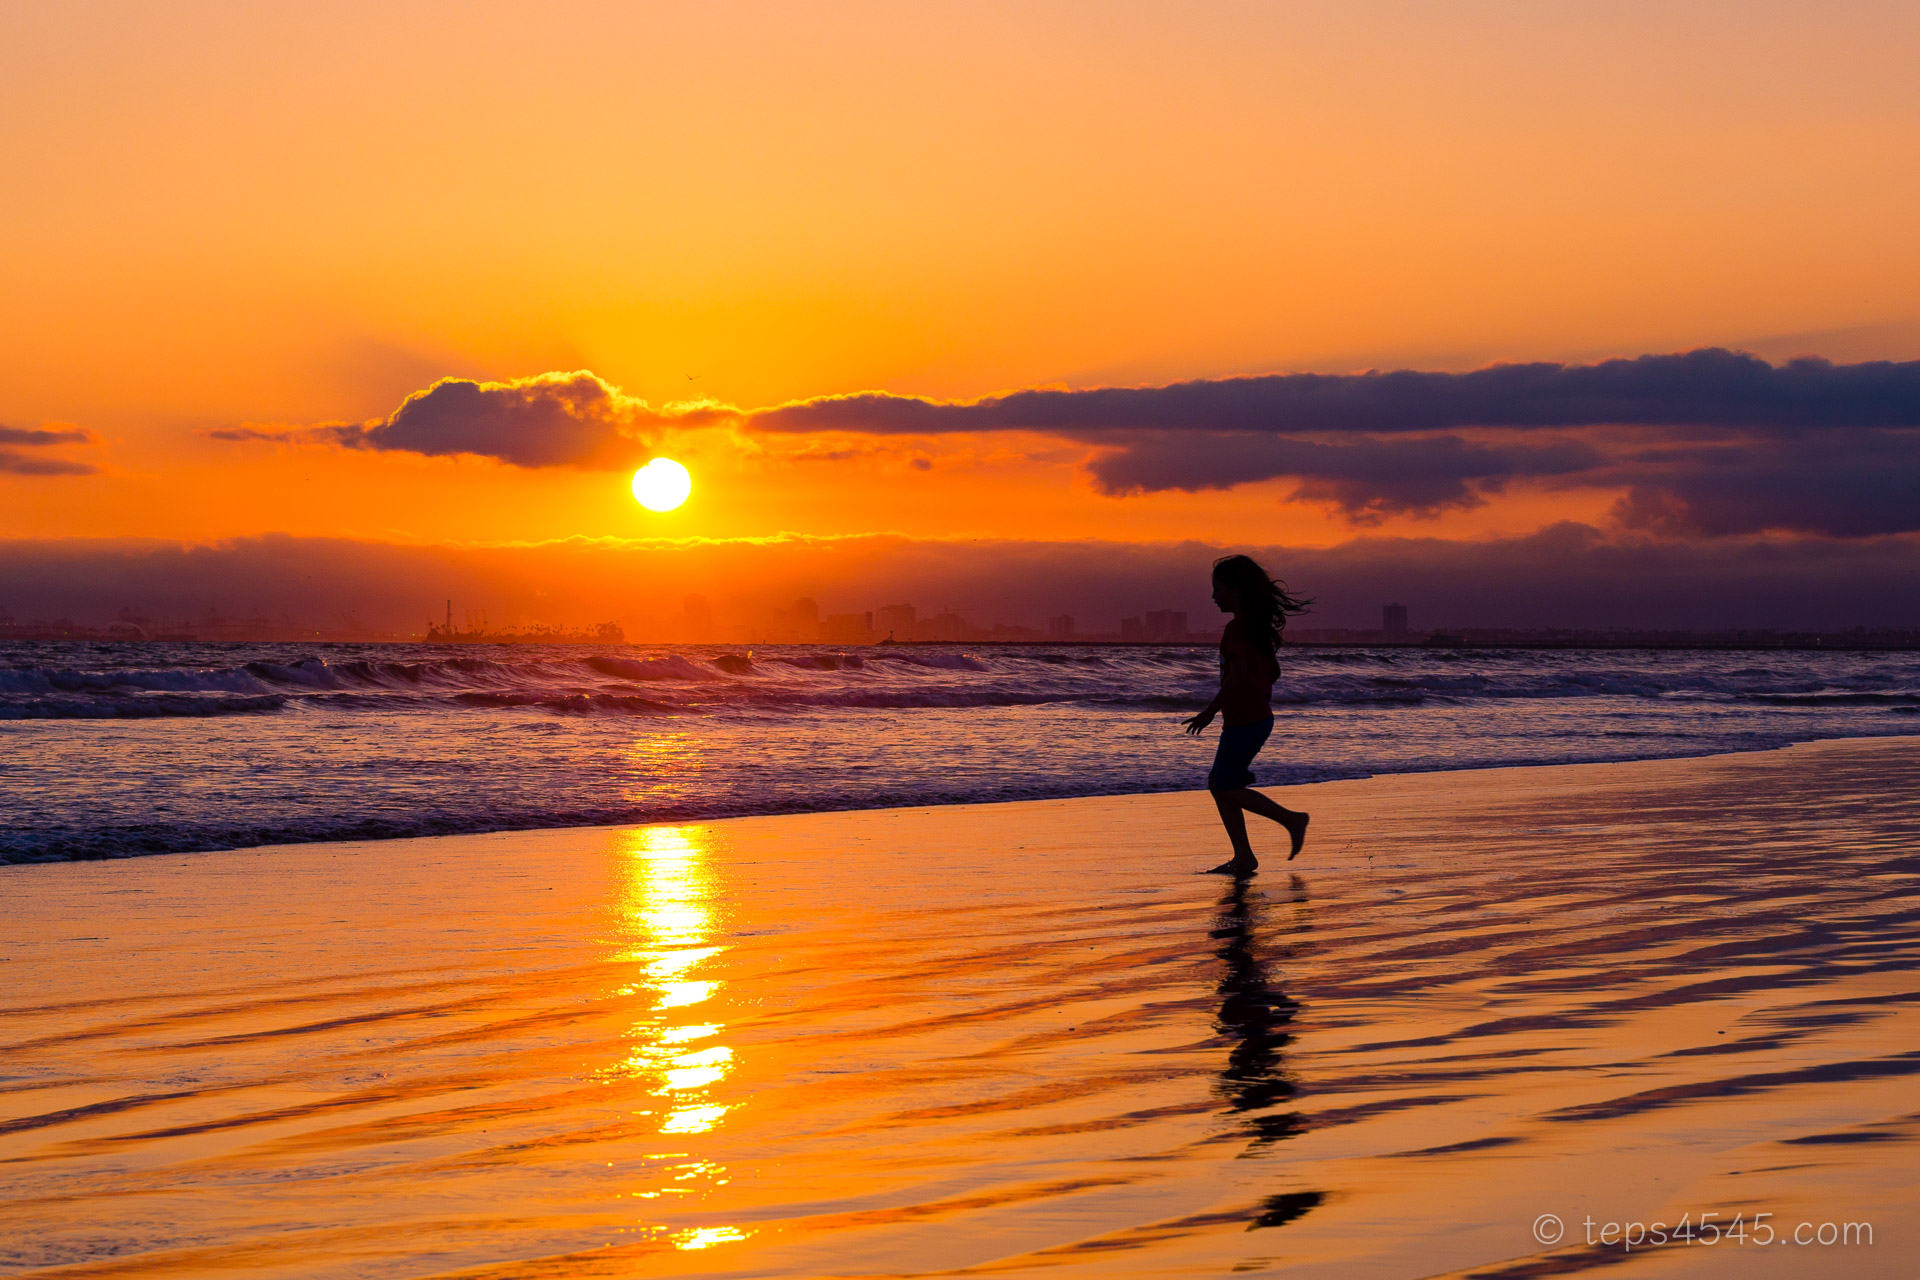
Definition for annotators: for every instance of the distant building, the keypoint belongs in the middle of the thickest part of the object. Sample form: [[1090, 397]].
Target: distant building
[[1393, 620], [1166, 624], [1060, 628], [798, 623], [1132, 629], [847, 628], [945, 626], [896, 619]]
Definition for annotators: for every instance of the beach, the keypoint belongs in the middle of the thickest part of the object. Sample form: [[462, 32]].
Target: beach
[[998, 1039]]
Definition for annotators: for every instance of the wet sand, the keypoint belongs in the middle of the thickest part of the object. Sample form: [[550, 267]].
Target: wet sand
[[998, 1040]]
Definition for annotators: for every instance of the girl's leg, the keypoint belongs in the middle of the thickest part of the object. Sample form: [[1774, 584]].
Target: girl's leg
[[1238, 746], [1292, 819], [1264, 805], [1236, 824]]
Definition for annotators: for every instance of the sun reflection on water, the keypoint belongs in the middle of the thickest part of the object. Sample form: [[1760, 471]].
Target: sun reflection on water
[[693, 1119], [668, 919], [677, 995], [707, 1237]]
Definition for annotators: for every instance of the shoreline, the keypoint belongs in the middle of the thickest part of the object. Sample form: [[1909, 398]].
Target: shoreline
[[703, 816]]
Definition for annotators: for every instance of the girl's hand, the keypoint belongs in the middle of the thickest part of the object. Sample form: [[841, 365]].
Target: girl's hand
[[1196, 723]]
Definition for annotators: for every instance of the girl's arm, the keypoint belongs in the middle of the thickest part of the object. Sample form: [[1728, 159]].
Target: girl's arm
[[1229, 669], [1196, 723]]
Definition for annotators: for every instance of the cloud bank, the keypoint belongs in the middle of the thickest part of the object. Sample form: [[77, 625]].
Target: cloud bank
[[1710, 387], [1368, 479], [1703, 443], [1708, 442]]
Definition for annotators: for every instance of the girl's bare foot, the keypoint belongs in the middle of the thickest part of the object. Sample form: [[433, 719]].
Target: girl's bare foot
[[1235, 867], [1298, 830]]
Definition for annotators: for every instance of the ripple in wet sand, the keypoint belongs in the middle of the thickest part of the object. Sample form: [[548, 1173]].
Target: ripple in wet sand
[[991, 1040]]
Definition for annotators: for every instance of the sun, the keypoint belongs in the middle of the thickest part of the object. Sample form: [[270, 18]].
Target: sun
[[661, 485]]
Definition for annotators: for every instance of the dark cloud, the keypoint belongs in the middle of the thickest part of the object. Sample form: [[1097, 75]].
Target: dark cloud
[[1858, 483], [15, 463], [1705, 442], [43, 435], [554, 420], [242, 434], [1710, 387], [1863, 484], [1366, 478]]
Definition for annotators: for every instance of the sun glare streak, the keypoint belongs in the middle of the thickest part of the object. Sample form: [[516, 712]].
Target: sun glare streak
[[707, 1237], [693, 1119], [668, 918], [675, 963], [692, 1078], [678, 995]]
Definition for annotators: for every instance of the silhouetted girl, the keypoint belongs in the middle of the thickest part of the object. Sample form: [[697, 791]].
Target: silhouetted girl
[[1249, 665]]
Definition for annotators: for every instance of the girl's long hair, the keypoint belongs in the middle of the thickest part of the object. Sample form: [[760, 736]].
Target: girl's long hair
[[1264, 599]]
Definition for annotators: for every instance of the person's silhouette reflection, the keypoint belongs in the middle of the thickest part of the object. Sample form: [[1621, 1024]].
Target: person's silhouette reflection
[[1255, 1015]]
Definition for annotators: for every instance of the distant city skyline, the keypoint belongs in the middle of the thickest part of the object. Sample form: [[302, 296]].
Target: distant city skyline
[[1568, 578]]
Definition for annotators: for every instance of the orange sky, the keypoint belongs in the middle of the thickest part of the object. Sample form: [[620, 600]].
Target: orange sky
[[241, 214]]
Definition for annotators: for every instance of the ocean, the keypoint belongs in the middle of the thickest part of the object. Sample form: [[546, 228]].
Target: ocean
[[114, 750]]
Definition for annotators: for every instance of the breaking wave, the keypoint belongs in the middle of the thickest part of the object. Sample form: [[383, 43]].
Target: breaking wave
[[221, 746], [150, 707], [714, 683]]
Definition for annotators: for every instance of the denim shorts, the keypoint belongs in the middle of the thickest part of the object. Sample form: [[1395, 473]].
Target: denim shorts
[[1233, 758]]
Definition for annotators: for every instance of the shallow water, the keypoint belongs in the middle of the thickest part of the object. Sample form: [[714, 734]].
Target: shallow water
[[116, 749], [993, 1040]]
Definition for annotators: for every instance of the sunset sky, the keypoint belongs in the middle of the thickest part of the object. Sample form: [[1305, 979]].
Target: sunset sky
[[236, 238]]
